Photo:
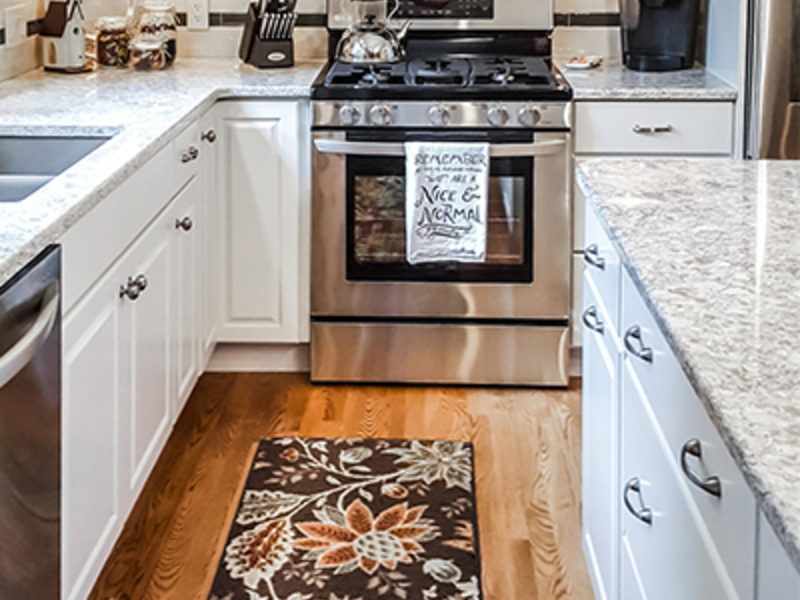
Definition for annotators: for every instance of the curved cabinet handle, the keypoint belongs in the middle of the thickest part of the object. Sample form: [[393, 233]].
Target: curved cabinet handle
[[644, 130], [189, 155], [185, 223], [644, 514], [710, 485], [20, 354], [209, 136], [635, 345], [591, 320], [591, 256]]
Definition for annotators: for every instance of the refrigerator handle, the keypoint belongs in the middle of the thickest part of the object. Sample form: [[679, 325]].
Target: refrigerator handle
[[19, 355]]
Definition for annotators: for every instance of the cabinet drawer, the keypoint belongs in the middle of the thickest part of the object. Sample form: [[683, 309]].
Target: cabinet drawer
[[602, 266], [687, 128], [681, 416], [668, 547]]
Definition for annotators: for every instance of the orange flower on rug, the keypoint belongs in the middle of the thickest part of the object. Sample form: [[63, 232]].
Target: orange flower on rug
[[387, 540]]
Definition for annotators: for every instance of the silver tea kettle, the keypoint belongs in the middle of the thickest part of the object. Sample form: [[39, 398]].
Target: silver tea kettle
[[372, 41]]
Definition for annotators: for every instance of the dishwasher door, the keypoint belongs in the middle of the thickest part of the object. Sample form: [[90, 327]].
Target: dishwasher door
[[30, 431]]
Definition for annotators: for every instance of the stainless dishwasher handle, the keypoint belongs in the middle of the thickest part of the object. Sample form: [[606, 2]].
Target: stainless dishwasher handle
[[19, 355], [331, 146]]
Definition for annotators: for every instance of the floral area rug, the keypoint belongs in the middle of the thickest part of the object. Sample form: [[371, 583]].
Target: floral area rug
[[354, 520]]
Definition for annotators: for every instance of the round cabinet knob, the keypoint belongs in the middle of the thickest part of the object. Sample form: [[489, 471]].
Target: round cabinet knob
[[349, 115], [209, 136], [529, 117], [497, 116], [438, 115], [185, 223], [381, 115]]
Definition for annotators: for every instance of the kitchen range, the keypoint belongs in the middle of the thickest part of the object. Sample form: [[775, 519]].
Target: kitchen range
[[470, 72]]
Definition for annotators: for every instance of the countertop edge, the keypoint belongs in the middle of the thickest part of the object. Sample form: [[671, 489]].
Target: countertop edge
[[764, 499]]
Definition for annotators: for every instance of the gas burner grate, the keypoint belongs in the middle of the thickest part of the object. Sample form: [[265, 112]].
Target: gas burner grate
[[439, 71], [355, 75]]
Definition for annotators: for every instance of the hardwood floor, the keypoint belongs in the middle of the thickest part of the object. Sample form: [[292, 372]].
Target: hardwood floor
[[527, 454]]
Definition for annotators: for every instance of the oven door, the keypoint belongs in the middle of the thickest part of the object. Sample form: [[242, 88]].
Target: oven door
[[359, 266]]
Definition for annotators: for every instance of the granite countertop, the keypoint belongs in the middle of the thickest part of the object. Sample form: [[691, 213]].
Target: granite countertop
[[714, 247], [142, 110], [615, 82]]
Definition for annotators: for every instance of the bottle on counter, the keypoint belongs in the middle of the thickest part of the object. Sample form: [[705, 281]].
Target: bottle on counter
[[158, 20], [148, 53], [113, 47]]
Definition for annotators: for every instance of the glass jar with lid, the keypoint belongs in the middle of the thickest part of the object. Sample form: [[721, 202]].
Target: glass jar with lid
[[112, 41], [158, 20], [148, 53]]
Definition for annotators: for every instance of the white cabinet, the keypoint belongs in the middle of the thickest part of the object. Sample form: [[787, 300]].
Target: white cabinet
[[600, 435], [116, 399], [681, 520], [643, 129], [187, 226], [209, 266], [263, 154], [132, 345]]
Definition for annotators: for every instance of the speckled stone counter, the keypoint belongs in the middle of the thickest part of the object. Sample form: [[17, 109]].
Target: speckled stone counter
[[615, 82], [714, 247], [143, 112]]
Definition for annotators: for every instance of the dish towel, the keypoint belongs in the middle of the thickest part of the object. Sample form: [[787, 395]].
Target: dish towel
[[446, 199]]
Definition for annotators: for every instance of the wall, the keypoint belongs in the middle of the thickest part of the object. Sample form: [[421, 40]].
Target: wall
[[582, 27]]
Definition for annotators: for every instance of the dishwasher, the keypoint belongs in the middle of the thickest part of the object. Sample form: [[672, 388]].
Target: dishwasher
[[30, 431]]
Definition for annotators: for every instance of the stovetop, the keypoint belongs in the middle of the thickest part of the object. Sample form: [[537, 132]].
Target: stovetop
[[444, 77]]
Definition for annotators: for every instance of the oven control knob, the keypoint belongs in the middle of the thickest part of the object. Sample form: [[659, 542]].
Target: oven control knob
[[438, 115], [529, 117], [497, 116], [380, 114], [349, 115]]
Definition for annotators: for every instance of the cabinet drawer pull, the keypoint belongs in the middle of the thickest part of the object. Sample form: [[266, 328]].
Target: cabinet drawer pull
[[710, 485], [591, 320], [639, 350], [185, 223], [134, 288], [591, 256], [644, 514], [209, 136], [645, 130], [189, 155]]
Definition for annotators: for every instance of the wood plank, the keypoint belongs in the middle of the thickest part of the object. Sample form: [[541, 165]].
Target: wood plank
[[527, 463]]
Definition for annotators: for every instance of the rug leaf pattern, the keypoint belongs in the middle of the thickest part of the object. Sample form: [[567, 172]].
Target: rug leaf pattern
[[354, 520]]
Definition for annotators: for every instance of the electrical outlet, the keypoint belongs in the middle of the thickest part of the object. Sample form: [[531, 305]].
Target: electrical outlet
[[16, 25], [197, 15]]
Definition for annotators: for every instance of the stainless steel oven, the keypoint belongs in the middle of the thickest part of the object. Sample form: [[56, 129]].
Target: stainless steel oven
[[375, 317]]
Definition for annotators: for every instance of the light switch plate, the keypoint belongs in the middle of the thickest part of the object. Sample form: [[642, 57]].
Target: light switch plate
[[197, 15], [16, 25]]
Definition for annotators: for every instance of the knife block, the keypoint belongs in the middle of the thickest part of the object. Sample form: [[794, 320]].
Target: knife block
[[264, 54]]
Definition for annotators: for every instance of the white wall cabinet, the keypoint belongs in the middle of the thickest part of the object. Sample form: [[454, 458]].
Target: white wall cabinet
[[262, 161], [680, 523]]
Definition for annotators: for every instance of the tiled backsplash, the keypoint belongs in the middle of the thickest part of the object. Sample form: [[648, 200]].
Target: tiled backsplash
[[583, 27]]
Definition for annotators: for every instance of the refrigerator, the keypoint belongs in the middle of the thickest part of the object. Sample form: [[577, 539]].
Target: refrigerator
[[772, 94]]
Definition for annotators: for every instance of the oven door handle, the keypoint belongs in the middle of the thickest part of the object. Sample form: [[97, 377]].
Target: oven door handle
[[331, 146]]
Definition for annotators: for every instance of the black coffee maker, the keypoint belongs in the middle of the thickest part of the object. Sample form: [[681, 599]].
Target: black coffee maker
[[658, 35]]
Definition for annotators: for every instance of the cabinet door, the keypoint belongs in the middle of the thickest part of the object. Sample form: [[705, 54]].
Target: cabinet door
[[186, 226], [259, 188], [208, 214], [671, 553], [91, 512], [600, 418], [145, 377]]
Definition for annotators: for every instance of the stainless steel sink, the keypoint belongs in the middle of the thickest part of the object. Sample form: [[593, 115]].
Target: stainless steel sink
[[29, 162]]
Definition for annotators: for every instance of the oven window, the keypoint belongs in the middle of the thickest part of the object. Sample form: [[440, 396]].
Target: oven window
[[376, 244]]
